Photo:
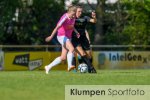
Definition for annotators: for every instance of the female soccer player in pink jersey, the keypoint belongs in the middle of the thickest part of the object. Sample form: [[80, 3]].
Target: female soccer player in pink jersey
[[64, 30]]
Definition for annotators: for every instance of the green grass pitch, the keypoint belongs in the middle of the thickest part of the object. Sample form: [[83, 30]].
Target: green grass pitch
[[36, 85]]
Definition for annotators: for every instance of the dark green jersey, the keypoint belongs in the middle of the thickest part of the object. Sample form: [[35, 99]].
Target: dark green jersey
[[80, 25]]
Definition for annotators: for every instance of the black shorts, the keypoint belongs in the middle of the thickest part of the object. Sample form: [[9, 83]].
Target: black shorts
[[82, 41]]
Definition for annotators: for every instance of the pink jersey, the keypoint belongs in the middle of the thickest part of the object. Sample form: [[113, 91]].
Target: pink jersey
[[66, 26]]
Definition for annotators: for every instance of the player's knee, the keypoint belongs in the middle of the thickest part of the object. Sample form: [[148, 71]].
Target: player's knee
[[89, 56], [72, 51], [82, 53], [63, 58]]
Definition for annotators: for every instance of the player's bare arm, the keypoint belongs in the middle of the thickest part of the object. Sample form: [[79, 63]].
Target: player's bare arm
[[49, 38], [77, 33], [93, 19], [88, 37]]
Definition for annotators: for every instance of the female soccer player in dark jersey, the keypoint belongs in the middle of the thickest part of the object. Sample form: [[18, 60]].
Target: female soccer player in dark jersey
[[82, 43]]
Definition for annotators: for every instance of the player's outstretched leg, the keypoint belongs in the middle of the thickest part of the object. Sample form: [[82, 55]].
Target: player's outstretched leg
[[70, 55], [85, 59], [54, 63], [74, 63], [91, 69]]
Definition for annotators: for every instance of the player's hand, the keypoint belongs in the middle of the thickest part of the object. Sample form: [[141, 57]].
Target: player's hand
[[49, 38], [78, 35], [90, 42], [93, 14]]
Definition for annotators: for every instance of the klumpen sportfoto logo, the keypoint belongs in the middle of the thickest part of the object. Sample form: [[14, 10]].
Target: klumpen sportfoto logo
[[122, 56], [107, 92], [24, 60]]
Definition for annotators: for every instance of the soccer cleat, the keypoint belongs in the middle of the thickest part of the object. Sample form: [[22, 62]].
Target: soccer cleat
[[74, 70], [71, 68], [46, 69], [91, 70]]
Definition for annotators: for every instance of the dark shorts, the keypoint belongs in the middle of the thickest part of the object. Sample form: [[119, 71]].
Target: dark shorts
[[82, 41]]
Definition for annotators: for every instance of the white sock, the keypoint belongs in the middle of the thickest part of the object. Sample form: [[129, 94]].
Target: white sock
[[70, 56], [54, 63]]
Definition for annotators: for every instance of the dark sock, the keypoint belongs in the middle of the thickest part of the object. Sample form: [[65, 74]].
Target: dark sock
[[80, 60], [91, 60], [87, 61]]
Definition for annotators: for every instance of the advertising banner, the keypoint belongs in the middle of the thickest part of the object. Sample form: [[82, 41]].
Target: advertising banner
[[122, 59], [30, 60], [1, 60], [101, 60]]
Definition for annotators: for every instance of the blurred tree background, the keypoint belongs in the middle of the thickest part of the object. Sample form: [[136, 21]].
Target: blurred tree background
[[30, 21]]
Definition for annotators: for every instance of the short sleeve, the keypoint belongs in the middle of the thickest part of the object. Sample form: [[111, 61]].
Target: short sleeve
[[62, 20]]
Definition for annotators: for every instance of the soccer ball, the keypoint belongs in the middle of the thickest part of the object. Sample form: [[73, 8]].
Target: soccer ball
[[83, 68]]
